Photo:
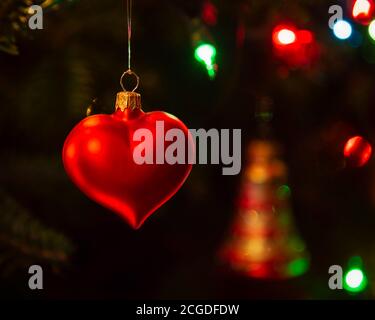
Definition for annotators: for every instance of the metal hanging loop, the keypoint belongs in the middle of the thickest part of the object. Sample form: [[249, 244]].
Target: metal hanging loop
[[130, 73]]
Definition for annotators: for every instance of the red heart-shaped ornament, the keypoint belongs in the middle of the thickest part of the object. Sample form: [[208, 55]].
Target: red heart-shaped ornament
[[98, 157]]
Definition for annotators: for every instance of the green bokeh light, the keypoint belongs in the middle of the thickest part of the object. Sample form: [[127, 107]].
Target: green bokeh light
[[298, 267], [355, 280], [206, 53], [355, 262], [371, 30], [265, 116], [283, 192]]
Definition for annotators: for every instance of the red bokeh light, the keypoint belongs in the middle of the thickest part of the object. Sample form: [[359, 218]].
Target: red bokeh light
[[363, 11], [357, 151], [284, 36], [209, 13], [296, 48], [305, 36]]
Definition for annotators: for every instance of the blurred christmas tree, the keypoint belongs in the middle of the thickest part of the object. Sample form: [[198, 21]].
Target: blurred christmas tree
[[263, 241]]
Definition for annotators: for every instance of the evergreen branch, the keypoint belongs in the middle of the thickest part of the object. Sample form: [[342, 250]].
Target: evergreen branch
[[21, 235], [14, 15]]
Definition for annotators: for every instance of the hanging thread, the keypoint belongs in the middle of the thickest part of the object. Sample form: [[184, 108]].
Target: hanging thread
[[129, 8]]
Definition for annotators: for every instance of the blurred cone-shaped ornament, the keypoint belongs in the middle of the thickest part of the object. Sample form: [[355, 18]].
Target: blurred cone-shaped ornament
[[263, 242]]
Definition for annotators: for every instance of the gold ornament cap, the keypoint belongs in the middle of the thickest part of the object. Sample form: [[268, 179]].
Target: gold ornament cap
[[128, 100]]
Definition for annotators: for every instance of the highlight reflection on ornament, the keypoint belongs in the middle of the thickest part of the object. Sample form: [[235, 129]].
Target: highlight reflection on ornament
[[263, 242]]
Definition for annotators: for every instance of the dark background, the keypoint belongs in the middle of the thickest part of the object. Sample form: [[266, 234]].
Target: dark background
[[81, 54]]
